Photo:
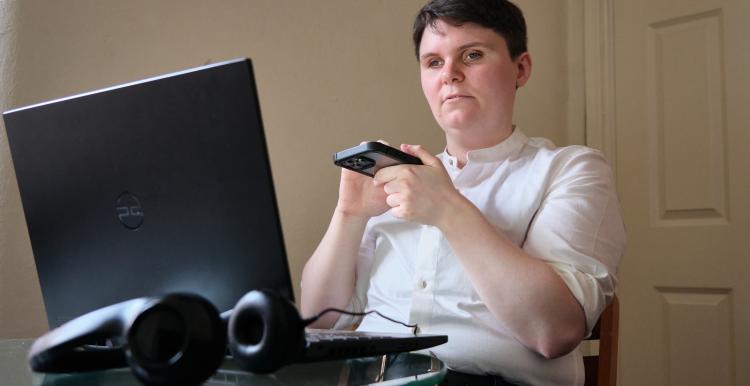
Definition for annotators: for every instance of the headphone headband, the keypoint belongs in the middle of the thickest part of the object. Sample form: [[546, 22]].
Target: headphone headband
[[63, 349]]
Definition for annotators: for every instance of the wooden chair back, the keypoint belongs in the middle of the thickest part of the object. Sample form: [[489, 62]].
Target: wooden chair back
[[601, 370]]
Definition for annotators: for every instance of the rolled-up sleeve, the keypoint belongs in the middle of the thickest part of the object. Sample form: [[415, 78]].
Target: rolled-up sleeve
[[578, 229]]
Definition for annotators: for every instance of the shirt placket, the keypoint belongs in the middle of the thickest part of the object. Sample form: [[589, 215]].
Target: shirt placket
[[423, 282]]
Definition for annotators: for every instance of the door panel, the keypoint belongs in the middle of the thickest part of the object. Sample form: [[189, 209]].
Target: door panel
[[682, 125]]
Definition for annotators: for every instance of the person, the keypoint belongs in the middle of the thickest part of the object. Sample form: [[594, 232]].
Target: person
[[507, 244]]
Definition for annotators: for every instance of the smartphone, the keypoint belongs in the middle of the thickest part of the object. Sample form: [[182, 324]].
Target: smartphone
[[370, 157]]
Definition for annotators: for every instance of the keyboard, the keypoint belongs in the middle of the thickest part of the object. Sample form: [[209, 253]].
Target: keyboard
[[337, 344]]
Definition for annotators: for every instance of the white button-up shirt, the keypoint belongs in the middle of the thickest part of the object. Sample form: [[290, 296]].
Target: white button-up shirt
[[558, 204]]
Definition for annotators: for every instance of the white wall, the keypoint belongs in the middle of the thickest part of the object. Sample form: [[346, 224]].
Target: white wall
[[330, 74]]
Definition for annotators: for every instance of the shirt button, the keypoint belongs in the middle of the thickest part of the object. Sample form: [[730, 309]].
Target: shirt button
[[423, 284]]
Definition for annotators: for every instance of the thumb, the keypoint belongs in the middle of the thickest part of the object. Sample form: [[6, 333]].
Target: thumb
[[425, 156]]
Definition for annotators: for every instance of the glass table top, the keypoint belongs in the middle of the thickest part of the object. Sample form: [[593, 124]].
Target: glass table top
[[396, 369]]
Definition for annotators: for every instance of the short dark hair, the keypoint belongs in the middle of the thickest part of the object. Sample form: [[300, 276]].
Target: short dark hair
[[501, 16]]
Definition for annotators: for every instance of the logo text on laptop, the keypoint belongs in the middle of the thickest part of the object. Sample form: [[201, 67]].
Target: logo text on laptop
[[129, 210]]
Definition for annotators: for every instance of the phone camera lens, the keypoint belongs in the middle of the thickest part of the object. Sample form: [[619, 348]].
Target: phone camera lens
[[358, 163]]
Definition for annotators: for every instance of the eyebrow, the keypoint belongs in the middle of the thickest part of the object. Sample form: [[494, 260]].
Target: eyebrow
[[461, 48]]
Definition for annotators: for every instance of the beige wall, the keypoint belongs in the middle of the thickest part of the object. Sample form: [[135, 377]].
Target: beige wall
[[21, 310], [330, 74]]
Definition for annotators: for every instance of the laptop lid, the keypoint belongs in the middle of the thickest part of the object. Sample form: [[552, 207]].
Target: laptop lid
[[161, 185]]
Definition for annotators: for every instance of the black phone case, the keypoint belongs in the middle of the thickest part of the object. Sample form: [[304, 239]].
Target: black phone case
[[370, 157]]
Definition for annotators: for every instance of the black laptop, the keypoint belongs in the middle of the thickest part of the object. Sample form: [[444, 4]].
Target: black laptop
[[158, 186]]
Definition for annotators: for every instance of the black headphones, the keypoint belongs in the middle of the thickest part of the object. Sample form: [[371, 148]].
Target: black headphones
[[180, 339], [176, 339]]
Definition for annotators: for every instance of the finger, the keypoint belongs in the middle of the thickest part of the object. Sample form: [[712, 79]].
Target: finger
[[422, 154], [347, 174], [392, 187], [402, 211], [393, 200], [385, 175]]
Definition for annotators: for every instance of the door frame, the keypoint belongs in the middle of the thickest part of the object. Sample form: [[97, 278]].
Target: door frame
[[599, 64]]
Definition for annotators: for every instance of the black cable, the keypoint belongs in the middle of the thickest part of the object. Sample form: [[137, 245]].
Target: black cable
[[414, 327]]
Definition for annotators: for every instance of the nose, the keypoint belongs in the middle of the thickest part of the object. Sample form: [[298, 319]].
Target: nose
[[451, 72]]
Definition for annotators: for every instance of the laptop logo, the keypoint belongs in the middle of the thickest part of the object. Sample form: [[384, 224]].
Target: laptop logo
[[129, 210]]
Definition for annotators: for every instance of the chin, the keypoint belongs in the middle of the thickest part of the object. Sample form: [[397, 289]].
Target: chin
[[457, 118], [455, 124]]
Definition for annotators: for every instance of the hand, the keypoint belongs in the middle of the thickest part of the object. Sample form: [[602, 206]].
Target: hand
[[359, 197], [420, 193]]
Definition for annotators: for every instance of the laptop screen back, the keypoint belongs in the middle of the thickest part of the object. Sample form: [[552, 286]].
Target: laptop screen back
[[157, 186]]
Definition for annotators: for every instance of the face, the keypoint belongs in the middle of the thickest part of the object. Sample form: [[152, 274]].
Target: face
[[470, 82]]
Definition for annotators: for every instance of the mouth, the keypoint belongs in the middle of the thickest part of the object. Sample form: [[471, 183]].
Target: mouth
[[455, 98]]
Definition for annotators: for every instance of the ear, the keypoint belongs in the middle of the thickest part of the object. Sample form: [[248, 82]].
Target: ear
[[523, 64]]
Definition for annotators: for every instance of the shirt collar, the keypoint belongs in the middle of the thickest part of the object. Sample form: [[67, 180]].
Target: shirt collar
[[502, 151]]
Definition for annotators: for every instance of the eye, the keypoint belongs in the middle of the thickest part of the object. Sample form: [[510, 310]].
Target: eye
[[433, 63], [471, 56]]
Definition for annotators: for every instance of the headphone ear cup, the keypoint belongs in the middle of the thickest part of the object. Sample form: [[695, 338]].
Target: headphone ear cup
[[265, 332], [176, 340]]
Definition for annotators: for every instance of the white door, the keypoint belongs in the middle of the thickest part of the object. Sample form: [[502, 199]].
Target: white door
[[682, 80]]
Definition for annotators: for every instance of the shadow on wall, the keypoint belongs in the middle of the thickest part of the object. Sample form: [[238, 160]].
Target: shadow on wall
[[21, 311]]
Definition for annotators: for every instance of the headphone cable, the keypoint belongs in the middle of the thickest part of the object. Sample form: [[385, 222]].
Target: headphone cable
[[308, 321]]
